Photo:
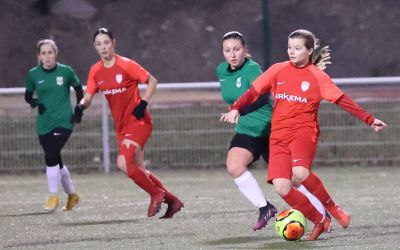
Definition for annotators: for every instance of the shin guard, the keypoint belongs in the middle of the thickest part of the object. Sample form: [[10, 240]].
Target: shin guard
[[137, 174], [299, 201]]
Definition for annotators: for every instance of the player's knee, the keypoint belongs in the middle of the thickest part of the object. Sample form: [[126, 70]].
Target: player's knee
[[282, 187], [300, 174], [52, 159], [235, 170], [125, 159], [121, 163]]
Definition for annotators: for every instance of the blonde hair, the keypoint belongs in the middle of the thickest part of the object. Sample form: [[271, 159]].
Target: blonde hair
[[43, 42], [320, 58]]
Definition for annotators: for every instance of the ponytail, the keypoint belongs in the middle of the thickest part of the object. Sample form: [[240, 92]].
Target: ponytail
[[322, 58]]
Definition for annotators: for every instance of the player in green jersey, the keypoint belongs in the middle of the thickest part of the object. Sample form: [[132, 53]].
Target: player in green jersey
[[252, 131], [51, 81]]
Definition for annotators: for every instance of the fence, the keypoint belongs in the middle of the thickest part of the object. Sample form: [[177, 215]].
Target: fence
[[187, 131]]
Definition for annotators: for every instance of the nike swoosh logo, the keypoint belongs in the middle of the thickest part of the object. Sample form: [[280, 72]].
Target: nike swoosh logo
[[40, 82], [221, 80], [99, 83], [280, 83], [56, 134], [296, 160]]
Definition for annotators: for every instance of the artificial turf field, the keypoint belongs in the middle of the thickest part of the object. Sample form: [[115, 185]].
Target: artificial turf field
[[112, 213]]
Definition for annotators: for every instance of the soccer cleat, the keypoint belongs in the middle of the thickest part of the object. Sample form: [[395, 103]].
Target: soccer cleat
[[341, 216], [327, 223], [266, 213], [155, 203], [317, 231], [174, 206], [51, 204], [73, 199]]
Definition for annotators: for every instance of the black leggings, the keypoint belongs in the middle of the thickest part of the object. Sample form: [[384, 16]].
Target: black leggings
[[52, 144]]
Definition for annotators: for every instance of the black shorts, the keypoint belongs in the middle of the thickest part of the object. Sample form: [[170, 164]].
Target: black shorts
[[256, 145], [54, 141]]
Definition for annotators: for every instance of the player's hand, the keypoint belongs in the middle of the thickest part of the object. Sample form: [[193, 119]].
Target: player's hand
[[33, 103], [78, 113], [230, 117], [140, 110], [378, 125], [41, 108]]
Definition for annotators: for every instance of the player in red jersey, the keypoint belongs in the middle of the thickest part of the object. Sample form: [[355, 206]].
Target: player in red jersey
[[298, 87], [118, 78]]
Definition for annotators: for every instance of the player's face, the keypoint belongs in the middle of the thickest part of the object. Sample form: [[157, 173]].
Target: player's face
[[234, 52], [297, 51], [47, 56], [104, 46]]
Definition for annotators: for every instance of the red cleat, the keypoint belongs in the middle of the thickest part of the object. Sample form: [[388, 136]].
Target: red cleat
[[341, 216], [317, 231], [155, 203], [174, 206], [327, 223]]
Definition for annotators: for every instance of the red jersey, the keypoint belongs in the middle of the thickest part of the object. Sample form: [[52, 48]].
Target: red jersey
[[119, 84], [297, 93]]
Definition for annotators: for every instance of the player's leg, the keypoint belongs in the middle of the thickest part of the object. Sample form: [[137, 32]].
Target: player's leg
[[61, 136], [299, 201], [126, 162], [318, 205], [314, 184], [243, 151], [303, 150], [52, 171], [280, 174], [174, 204]]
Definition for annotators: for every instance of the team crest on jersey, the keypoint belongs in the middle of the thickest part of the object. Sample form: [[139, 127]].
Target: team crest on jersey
[[59, 80], [239, 82], [118, 78], [305, 86]]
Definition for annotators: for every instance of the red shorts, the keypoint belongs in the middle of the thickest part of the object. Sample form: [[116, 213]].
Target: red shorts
[[297, 150], [138, 133]]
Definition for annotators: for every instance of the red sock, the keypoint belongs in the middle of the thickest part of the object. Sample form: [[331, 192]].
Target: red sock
[[314, 184], [299, 201], [158, 183], [136, 173]]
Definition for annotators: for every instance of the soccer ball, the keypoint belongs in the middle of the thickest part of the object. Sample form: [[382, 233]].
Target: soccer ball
[[290, 224]]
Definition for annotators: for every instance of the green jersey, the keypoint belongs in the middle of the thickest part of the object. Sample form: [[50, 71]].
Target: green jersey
[[52, 89], [233, 84]]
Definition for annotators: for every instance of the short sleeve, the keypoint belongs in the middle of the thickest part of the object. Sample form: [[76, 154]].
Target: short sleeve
[[91, 86], [329, 90], [73, 78], [137, 72], [29, 83], [253, 72]]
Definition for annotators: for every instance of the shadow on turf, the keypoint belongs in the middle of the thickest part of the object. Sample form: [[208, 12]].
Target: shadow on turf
[[109, 222], [26, 214]]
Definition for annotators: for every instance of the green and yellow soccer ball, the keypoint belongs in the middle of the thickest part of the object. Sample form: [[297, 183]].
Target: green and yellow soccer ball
[[290, 224]]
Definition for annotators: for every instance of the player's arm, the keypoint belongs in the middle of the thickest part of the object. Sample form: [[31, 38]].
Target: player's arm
[[252, 74], [34, 102], [140, 110], [84, 103], [353, 108], [150, 89]]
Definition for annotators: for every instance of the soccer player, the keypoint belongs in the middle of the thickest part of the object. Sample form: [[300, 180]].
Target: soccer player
[[51, 81], [118, 78], [298, 87], [252, 130]]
